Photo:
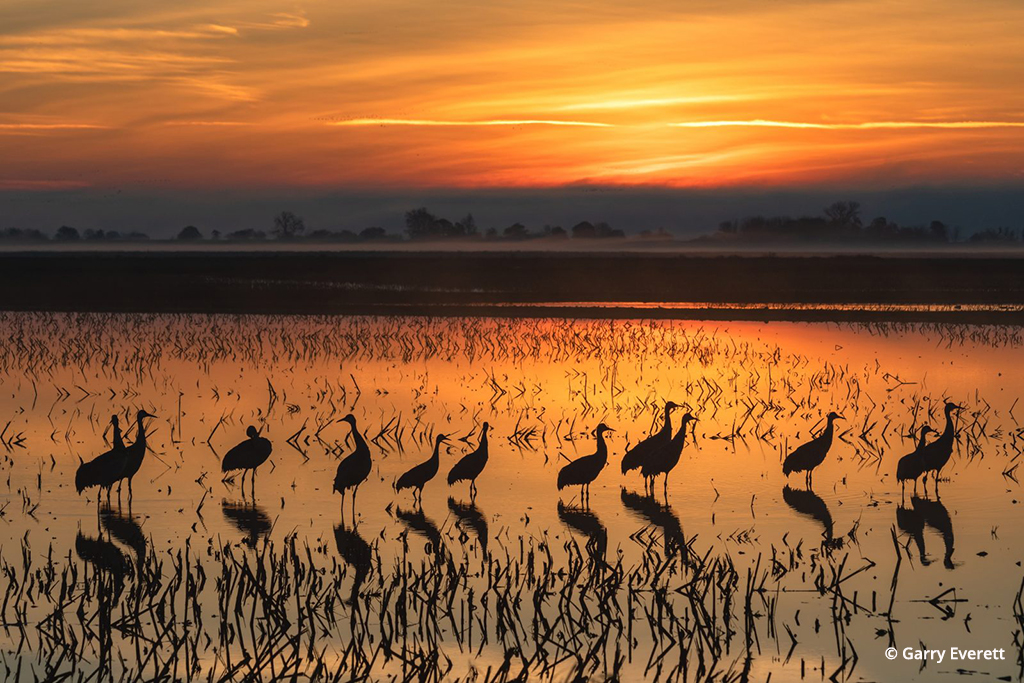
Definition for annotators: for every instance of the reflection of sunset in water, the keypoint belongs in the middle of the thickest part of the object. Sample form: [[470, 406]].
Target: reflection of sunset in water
[[543, 385]]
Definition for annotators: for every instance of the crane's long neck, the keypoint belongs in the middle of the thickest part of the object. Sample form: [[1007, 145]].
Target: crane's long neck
[[829, 430], [667, 426], [436, 456], [680, 437], [483, 441], [602, 448], [947, 433], [141, 438], [921, 444], [118, 441], [358, 438]]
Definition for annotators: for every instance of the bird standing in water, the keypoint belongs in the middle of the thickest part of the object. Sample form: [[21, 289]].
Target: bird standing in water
[[583, 471], [471, 464], [136, 452], [912, 466], [806, 457], [247, 456], [104, 470], [664, 460], [355, 468], [936, 454], [417, 477], [636, 456]]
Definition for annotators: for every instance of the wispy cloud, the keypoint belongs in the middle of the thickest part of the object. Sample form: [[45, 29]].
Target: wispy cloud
[[208, 123], [42, 127], [650, 102], [867, 125], [16, 184], [491, 122]]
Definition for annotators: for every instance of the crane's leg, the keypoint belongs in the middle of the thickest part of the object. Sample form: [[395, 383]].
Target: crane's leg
[[343, 507], [355, 492], [666, 486], [252, 484], [472, 491]]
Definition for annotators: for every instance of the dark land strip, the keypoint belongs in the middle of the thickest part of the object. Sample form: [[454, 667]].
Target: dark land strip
[[461, 283]]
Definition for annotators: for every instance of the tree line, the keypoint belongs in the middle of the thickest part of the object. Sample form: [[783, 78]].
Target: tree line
[[839, 222]]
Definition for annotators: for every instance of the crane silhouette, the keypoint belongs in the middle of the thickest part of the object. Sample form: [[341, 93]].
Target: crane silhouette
[[355, 468], [104, 470], [936, 454], [471, 464], [912, 466], [136, 452], [247, 456], [664, 460], [582, 471], [636, 456], [806, 457], [417, 477]]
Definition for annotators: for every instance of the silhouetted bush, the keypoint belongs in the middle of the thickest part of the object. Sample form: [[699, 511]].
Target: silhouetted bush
[[66, 233], [20, 235], [288, 226], [190, 233]]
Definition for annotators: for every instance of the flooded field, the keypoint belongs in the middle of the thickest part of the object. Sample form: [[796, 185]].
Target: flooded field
[[731, 572]]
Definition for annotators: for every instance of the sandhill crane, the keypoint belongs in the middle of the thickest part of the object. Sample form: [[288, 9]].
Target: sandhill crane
[[806, 457]]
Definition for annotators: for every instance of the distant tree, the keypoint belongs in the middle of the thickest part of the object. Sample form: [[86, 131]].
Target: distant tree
[[584, 230], [373, 234], [443, 227], [215, 234], [491, 233], [604, 230], [66, 233], [939, 231], [190, 233], [420, 224], [247, 234], [995, 235], [469, 227], [844, 214], [288, 226], [137, 236], [728, 227], [20, 235], [516, 231], [555, 231], [113, 235]]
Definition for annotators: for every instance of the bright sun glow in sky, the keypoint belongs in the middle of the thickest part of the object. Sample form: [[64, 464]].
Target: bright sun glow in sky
[[393, 93]]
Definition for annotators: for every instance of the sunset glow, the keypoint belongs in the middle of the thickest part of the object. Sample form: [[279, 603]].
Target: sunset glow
[[400, 94]]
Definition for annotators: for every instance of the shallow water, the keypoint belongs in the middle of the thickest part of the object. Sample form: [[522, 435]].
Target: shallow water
[[758, 389]]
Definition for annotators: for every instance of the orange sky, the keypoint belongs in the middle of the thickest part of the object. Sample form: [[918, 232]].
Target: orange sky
[[394, 93]]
